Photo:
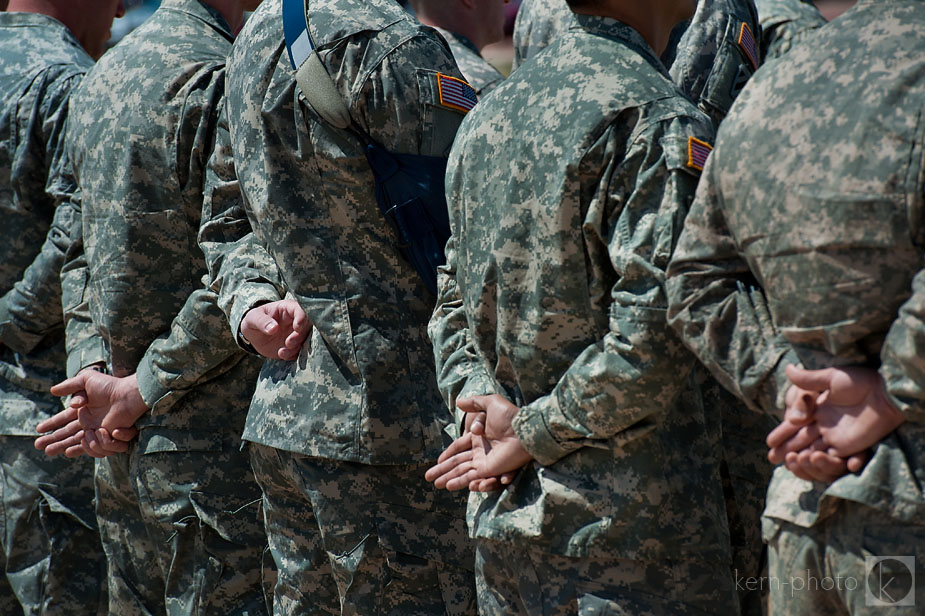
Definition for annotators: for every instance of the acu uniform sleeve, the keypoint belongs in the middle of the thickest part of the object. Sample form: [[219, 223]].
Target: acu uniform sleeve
[[637, 369], [198, 347], [716, 305], [242, 275], [32, 308], [903, 369]]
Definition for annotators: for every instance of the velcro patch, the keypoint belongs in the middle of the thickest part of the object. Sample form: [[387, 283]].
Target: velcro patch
[[747, 43], [456, 93], [697, 153]]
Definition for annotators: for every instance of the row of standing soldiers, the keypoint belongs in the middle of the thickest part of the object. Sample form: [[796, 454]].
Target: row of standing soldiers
[[633, 308]]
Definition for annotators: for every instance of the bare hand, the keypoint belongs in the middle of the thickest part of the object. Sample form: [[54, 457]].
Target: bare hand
[[102, 412], [853, 411], [484, 461], [277, 330]]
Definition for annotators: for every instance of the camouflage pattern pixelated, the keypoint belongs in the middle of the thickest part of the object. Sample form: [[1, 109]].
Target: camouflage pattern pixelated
[[785, 23], [845, 203], [141, 168], [50, 553], [552, 297], [362, 392], [481, 75]]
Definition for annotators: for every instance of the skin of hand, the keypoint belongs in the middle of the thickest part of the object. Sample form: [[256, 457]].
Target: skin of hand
[[488, 455], [850, 413], [100, 418], [277, 330]]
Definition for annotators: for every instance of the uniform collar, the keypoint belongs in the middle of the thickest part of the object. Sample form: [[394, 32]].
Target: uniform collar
[[612, 29], [202, 11], [37, 20]]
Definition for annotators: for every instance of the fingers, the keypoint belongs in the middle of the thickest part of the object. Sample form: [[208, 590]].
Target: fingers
[[858, 461], [463, 443], [475, 404], [819, 466], [109, 444], [56, 422], [69, 386], [804, 438], [257, 324], [475, 423], [57, 443], [91, 444], [812, 380], [125, 434]]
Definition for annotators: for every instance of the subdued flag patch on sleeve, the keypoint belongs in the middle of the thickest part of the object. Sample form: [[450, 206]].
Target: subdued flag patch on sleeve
[[456, 93], [697, 153], [747, 44]]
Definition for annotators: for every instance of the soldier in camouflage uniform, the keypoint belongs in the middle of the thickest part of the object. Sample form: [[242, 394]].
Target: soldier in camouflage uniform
[[346, 424], [467, 31], [800, 249], [50, 555], [551, 319], [716, 54], [785, 23], [178, 512]]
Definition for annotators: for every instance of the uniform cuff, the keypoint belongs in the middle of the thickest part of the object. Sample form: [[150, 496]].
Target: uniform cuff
[[14, 337], [239, 310], [157, 396], [531, 425], [87, 352]]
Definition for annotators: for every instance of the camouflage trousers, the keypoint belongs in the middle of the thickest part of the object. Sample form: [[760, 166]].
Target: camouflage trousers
[[745, 472], [516, 581], [857, 561], [181, 531], [51, 553], [394, 544]]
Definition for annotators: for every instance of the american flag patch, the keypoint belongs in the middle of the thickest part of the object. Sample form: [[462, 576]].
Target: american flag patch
[[697, 153], [747, 43], [456, 93]]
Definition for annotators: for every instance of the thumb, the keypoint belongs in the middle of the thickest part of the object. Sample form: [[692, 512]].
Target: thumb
[[476, 404], [812, 380], [258, 321], [70, 386]]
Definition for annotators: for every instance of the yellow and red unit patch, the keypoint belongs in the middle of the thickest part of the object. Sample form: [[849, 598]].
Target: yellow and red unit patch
[[697, 153], [456, 93], [747, 44]]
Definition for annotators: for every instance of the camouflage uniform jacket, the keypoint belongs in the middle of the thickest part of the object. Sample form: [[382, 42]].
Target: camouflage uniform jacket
[[785, 23], [806, 234], [711, 61], [144, 121], [717, 54], [553, 297], [480, 74], [538, 24], [40, 63], [363, 387]]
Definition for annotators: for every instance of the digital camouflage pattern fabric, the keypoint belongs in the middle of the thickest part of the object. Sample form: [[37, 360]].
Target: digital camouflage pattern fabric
[[480, 74], [710, 57], [359, 406], [553, 297], [784, 23], [358, 391], [50, 552], [140, 165], [554, 585], [717, 54], [538, 24], [42, 64], [844, 203]]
